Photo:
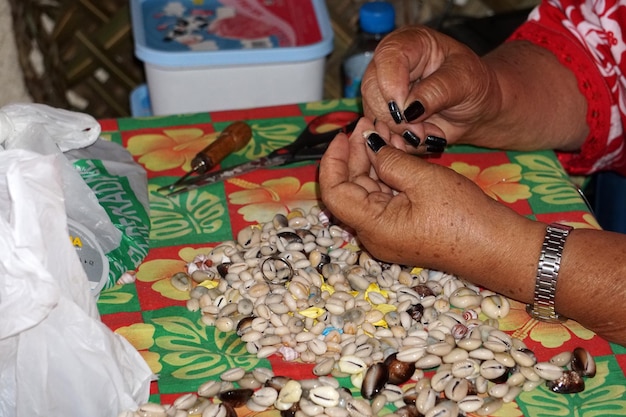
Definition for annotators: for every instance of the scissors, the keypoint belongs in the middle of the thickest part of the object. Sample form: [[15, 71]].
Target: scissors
[[310, 145]]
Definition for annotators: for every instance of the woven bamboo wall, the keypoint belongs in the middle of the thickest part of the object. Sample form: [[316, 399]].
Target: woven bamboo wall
[[77, 54]]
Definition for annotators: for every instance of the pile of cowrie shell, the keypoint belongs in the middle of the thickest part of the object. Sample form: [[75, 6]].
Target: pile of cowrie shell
[[423, 341]]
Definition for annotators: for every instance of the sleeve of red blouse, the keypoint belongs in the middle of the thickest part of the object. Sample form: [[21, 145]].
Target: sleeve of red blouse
[[546, 28]]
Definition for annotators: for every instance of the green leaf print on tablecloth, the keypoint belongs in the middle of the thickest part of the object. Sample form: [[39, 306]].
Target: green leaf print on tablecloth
[[599, 398], [271, 135], [117, 299], [196, 216], [192, 352], [549, 184]]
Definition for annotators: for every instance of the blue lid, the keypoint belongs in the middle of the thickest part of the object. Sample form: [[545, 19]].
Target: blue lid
[[192, 33], [377, 17]]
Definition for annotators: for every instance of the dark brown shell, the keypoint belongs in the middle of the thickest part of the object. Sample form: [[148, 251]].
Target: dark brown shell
[[423, 290], [571, 382], [290, 412], [583, 363], [416, 312], [408, 410], [374, 380], [399, 372], [277, 382], [289, 237], [236, 397], [244, 325], [324, 259], [222, 269]]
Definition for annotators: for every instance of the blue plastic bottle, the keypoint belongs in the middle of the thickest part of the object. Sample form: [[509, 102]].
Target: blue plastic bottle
[[376, 19]]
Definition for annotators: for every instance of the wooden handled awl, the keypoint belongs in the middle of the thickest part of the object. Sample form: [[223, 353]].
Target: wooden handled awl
[[233, 138]]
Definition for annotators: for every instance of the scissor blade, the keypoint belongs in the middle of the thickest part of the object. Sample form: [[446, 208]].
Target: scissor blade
[[225, 174]]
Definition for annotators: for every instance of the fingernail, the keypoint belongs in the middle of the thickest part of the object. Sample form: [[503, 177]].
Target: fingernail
[[435, 141], [395, 112], [435, 149], [415, 110], [375, 142], [411, 138]]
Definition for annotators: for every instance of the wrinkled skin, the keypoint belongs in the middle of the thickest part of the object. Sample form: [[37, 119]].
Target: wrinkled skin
[[434, 215], [504, 100], [413, 212]]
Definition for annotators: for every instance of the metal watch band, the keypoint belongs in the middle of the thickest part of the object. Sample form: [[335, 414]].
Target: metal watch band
[[548, 273]]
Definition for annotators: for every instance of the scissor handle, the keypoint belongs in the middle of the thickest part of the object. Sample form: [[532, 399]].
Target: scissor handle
[[316, 137]]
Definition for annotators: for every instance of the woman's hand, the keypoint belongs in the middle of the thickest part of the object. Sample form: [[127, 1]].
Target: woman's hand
[[409, 211], [437, 86], [427, 87]]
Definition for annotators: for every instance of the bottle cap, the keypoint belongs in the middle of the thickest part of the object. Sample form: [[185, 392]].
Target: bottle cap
[[377, 17]]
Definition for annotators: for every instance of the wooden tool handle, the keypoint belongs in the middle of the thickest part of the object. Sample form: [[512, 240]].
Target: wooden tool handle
[[233, 138]]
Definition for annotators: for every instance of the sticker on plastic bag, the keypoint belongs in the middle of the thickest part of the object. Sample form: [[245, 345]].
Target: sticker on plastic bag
[[126, 212]]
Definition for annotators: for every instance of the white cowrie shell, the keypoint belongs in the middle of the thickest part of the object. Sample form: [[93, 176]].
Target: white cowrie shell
[[492, 369], [325, 396], [467, 368], [456, 389], [215, 410], [291, 392], [495, 306], [426, 400], [233, 374], [548, 371], [351, 364], [445, 408], [471, 403], [151, 410], [185, 402]]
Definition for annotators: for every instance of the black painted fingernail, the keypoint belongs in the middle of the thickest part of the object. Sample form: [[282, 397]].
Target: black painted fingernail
[[375, 142], [411, 138], [415, 110], [435, 149], [395, 112], [435, 141]]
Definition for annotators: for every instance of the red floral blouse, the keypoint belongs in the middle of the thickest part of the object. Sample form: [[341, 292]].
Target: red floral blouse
[[587, 37]]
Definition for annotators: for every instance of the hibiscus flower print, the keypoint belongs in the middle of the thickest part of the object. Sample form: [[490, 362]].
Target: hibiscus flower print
[[261, 202], [141, 336], [171, 148], [160, 271], [550, 335], [499, 182]]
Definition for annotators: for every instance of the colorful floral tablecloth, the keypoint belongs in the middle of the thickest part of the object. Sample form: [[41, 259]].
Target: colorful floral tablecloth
[[184, 352]]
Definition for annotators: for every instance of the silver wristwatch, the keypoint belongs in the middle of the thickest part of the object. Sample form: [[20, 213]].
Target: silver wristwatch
[[547, 274]]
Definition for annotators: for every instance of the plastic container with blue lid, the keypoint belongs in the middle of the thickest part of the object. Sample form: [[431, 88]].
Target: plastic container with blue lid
[[207, 55]]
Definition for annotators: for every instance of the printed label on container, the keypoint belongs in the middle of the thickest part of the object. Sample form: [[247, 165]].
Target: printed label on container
[[211, 25]]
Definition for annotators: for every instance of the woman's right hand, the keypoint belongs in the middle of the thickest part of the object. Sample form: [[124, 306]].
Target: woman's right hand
[[438, 86]]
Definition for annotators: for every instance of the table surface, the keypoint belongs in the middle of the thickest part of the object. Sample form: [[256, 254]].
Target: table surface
[[184, 352]]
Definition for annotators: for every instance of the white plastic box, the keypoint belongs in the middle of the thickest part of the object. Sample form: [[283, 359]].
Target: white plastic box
[[207, 55]]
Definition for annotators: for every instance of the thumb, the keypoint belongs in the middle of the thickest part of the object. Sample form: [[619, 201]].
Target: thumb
[[397, 169]]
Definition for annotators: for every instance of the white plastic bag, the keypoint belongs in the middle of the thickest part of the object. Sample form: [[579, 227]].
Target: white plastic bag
[[56, 357], [74, 136]]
